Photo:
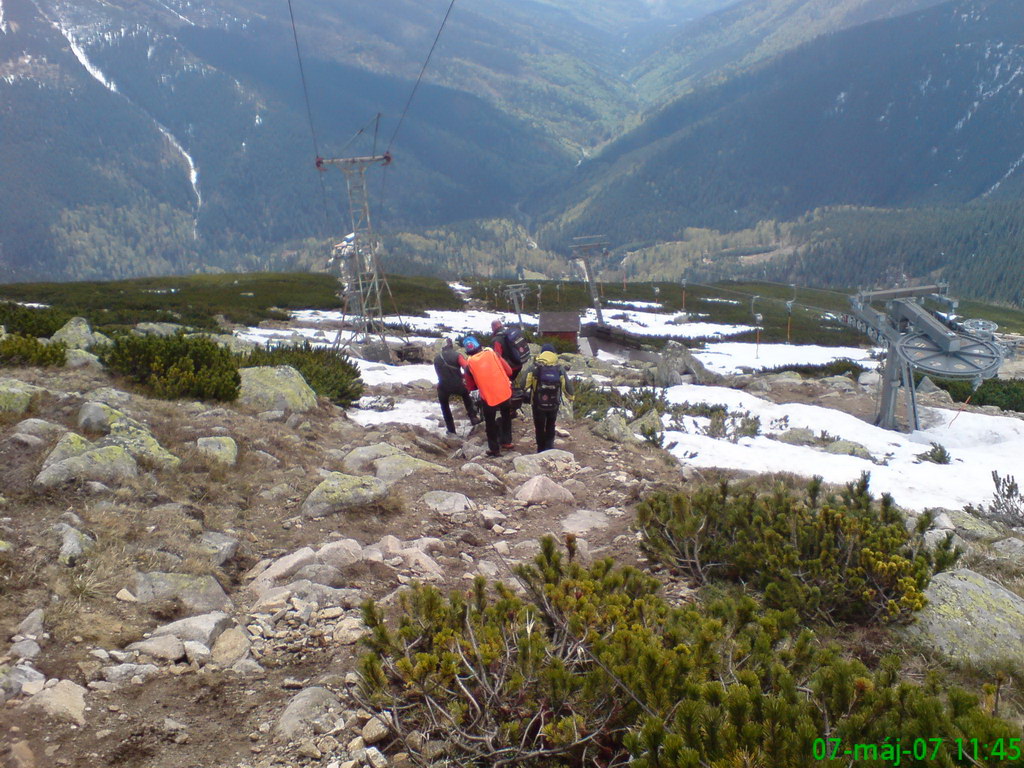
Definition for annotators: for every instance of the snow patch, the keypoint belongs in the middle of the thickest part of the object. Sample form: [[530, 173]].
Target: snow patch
[[3, 20], [732, 356]]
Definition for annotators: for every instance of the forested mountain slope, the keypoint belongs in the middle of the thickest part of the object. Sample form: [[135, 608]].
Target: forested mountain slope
[[923, 109]]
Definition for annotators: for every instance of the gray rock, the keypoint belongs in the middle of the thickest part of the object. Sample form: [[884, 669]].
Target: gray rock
[[219, 547], [848, 448], [283, 568], [391, 469], [479, 471], [1012, 549], [197, 653], [74, 544], [40, 428], [446, 502], [76, 334], [798, 436], [157, 329], [973, 528], [16, 397], [970, 618], [120, 674], [613, 427], [361, 459], [16, 677], [927, 386], [203, 629], [165, 647], [309, 711], [218, 450], [110, 465], [32, 625], [582, 521], [63, 701], [232, 646], [340, 554], [79, 358], [30, 442], [543, 490], [318, 573], [275, 388], [547, 462], [340, 492], [26, 649], [650, 421], [69, 446], [198, 594]]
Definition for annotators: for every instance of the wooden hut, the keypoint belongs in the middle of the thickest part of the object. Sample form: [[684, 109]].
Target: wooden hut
[[562, 325]]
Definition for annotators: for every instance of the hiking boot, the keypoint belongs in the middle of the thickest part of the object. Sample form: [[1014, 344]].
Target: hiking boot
[[492, 454], [508, 445]]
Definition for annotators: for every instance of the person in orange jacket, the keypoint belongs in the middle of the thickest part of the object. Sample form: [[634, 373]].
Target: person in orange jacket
[[490, 374]]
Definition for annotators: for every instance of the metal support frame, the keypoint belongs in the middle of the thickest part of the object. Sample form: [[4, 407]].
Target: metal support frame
[[356, 258], [918, 340], [584, 247], [516, 293]]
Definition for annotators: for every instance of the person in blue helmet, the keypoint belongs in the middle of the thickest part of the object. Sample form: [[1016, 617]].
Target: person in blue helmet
[[448, 365], [489, 373]]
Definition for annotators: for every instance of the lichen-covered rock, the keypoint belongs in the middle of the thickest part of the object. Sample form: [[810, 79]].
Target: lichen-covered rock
[[970, 618], [110, 464], [141, 445], [973, 528], [218, 450], [650, 422], [197, 594], [75, 334], [797, 436], [74, 544], [361, 459], [848, 448], [157, 329], [70, 445], [275, 388], [340, 492], [79, 358], [94, 416], [40, 428], [16, 396], [218, 546], [391, 469], [613, 427]]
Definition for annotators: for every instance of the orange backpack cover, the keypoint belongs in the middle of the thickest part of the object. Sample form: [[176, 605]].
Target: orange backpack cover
[[490, 377]]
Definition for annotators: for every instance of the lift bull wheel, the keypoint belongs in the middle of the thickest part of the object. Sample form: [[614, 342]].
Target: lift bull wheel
[[975, 359]]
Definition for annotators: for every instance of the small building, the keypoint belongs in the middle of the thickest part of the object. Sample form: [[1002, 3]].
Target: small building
[[561, 325]]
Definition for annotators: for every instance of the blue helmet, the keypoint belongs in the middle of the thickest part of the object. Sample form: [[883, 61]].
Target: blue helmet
[[471, 344]]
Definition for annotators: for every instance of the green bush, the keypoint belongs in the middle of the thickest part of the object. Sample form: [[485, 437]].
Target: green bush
[[562, 346], [16, 349], [591, 667], [845, 559], [327, 372], [31, 321], [176, 366], [1007, 394], [593, 401]]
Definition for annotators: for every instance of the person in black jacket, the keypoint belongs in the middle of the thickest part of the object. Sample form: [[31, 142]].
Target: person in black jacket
[[448, 365]]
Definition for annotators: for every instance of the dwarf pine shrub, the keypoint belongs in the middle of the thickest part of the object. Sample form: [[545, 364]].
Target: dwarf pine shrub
[[840, 559], [16, 349], [328, 373], [176, 366], [31, 321], [591, 667]]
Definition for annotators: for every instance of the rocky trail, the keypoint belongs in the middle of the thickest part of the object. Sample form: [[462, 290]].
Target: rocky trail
[[181, 582]]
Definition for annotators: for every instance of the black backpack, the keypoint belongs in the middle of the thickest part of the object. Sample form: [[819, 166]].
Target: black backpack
[[547, 394], [514, 347]]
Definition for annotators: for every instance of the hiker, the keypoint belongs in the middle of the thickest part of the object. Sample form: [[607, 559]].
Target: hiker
[[511, 346], [489, 373], [448, 365], [545, 383]]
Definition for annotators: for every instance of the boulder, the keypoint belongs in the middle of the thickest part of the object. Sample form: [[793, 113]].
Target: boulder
[[553, 462], [848, 448], [198, 594], [70, 445], [798, 436], [472, 469], [73, 543], [318, 573], [1010, 549], [869, 379], [164, 647], [543, 490], [970, 619], [582, 521], [233, 645], [111, 464], [340, 492], [79, 358], [157, 329], [16, 397], [75, 334], [340, 554], [650, 421], [218, 450], [391, 469], [219, 547], [14, 681], [40, 428], [361, 459], [31, 625], [309, 711], [63, 701], [122, 674], [275, 388], [203, 629], [446, 502], [100, 417], [282, 568], [971, 527], [613, 427]]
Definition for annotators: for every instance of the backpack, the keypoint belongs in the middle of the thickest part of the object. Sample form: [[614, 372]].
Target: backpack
[[449, 374], [514, 347], [547, 393]]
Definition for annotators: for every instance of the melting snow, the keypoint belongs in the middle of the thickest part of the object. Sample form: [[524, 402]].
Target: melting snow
[[729, 357], [3, 20], [978, 443]]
